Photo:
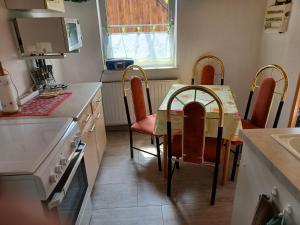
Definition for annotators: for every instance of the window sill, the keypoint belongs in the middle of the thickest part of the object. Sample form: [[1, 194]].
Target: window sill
[[144, 68]]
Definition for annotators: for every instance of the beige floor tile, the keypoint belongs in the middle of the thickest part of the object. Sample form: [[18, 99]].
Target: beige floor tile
[[133, 191], [117, 175], [128, 216], [115, 195], [151, 194], [201, 214]]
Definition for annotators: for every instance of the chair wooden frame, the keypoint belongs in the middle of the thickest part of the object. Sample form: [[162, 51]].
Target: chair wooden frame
[[124, 91], [254, 85], [207, 57], [219, 136]]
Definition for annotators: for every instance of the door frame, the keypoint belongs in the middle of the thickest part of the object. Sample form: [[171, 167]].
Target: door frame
[[296, 106]]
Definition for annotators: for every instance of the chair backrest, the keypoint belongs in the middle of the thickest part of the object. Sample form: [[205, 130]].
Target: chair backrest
[[137, 92], [194, 124], [206, 76], [193, 134], [138, 99], [263, 102], [264, 99]]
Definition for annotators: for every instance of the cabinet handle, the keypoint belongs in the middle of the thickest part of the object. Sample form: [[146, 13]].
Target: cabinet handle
[[98, 116], [88, 118], [93, 128]]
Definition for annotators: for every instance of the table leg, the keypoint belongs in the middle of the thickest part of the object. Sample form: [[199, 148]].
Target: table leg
[[165, 166], [226, 163]]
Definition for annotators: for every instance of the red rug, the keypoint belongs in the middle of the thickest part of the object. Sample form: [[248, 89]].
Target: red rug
[[40, 106]]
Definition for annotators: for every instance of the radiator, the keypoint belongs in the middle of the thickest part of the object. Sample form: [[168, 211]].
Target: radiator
[[113, 103]]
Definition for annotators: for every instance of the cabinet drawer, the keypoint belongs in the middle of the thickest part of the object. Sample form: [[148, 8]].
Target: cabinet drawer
[[100, 132], [97, 100], [85, 117], [91, 154]]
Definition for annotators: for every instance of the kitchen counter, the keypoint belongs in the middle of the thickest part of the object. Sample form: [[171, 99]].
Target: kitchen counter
[[82, 95], [280, 161], [266, 167]]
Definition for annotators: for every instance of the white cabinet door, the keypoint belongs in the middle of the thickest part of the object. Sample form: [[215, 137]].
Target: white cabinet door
[[255, 177], [57, 5]]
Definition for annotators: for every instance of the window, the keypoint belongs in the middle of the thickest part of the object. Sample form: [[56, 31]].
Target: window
[[141, 30]]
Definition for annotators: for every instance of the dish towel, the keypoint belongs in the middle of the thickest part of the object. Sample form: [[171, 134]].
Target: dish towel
[[265, 211], [277, 220]]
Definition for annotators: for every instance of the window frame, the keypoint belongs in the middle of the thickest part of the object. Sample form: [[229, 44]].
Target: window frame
[[103, 23]]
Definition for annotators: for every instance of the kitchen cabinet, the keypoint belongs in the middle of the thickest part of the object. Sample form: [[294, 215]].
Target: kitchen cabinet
[[91, 153], [91, 123], [266, 168], [56, 5], [100, 132], [85, 107]]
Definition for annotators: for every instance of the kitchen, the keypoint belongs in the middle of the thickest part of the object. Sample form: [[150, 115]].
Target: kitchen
[[229, 29]]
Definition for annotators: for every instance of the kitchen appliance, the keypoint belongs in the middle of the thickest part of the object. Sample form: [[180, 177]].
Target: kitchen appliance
[[118, 64], [47, 35], [43, 160], [8, 98]]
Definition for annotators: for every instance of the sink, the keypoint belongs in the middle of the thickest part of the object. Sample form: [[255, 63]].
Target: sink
[[290, 142]]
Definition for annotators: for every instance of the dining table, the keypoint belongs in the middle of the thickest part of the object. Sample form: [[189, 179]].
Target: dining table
[[232, 119]]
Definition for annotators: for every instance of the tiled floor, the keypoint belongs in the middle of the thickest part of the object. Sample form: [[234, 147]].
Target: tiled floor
[[133, 192]]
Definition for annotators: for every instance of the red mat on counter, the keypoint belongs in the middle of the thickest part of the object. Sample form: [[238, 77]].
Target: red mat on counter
[[40, 106]]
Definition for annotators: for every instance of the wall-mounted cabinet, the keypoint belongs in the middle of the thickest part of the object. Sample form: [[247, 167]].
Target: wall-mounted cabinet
[[47, 36], [56, 5]]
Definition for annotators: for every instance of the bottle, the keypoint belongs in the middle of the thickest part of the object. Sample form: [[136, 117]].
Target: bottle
[[7, 93]]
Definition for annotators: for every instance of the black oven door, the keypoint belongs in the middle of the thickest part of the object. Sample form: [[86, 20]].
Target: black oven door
[[67, 198]]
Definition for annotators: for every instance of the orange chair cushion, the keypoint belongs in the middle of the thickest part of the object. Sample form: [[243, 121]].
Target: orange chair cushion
[[207, 75], [263, 102], [193, 132], [209, 150], [145, 126], [138, 98], [247, 124]]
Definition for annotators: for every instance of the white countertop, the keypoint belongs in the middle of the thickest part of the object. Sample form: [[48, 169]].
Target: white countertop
[[26, 142], [280, 161]]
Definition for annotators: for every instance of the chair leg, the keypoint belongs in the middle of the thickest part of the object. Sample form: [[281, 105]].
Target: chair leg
[[131, 143], [177, 163], [158, 153], [152, 141], [235, 161], [169, 182]]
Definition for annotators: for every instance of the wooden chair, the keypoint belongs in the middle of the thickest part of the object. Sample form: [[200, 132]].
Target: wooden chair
[[144, 123], [262, 105], [207, 74], [191, 145]]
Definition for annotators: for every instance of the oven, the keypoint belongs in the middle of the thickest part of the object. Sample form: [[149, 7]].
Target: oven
[[70, 200]]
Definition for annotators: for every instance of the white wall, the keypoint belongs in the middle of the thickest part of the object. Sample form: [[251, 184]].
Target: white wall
[[230, 29], [83, 67], [87, 65], [284, 49], [8, 53]]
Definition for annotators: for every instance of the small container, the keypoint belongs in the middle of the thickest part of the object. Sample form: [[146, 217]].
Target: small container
[[7, 95]]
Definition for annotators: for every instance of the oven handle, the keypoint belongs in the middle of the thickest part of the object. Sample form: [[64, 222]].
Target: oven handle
[[58, 197]]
